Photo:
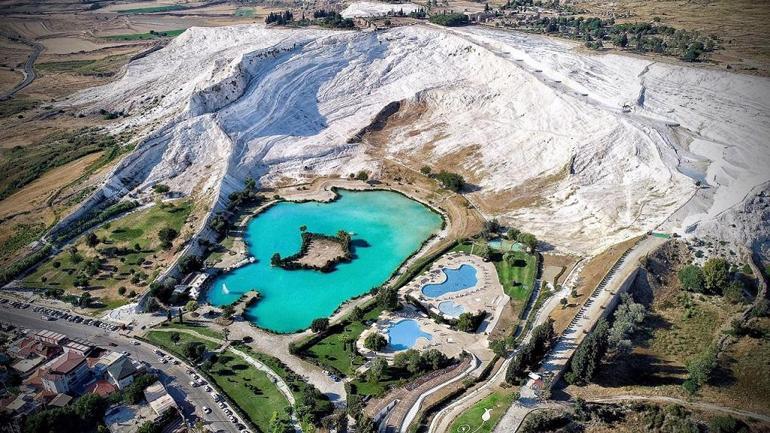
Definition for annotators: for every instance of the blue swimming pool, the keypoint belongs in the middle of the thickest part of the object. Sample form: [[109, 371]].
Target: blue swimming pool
[[450, 309], [403, 334], [456, 280]]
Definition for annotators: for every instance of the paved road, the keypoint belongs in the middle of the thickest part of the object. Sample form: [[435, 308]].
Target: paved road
[[174, 377], [29, 69]]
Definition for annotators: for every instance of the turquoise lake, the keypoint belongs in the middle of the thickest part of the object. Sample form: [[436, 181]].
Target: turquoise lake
[[386, 228]]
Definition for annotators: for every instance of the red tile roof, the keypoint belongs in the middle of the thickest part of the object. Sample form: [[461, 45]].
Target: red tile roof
[[66, 363], [102, 388]]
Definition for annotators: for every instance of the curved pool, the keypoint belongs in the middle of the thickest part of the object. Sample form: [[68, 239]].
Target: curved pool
[[386, 228], [450, 309], [456, 280], [403, 334]]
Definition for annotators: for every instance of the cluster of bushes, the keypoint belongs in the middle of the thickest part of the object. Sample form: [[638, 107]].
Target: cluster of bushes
[[451, 181], [375, 341], [415, 362], [449, 19], [280, 18], [248, 196], [23, 164], [332, 19], [605, 339], [642, 37], [714, 278], [469, 322], [530, 354], [291, 262], [8, 273], [94, 218]]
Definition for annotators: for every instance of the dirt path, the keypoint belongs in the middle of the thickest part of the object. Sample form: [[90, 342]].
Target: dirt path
[[708, 407]]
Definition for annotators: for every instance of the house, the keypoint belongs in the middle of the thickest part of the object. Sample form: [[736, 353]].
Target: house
[[50, 337], [80, 347], [101, 388], [65, 372], [29, 347], [193, 283], [159, 399], [27, 366], [121, 372], [60, 400]]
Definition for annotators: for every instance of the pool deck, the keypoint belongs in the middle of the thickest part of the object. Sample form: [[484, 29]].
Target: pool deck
[[451, 343], [486, 295]]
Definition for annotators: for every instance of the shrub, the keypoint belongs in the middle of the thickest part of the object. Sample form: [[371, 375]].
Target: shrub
[[375, 341], [319, 325], [449, 20], [451, 181]]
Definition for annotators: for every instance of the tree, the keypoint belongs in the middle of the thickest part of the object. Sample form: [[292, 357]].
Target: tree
[[92, 240], [275, 259], [529, 240], [409, 360], [466, 322], [623, 40], [387, 297], [727, 424], [81, 280], [513, 233], [161, 188], [319, 325], [167, 236], [716, 274], [425, 170], [498, 347], [734, 292], [193, 350], [375, 341], [588, 356], [434, 359], [122, 290], [563, 302], [189, 264], [692, 279], [191, 306], [85, 299], [357, 314], [168, 315], [377, 369], [174, 337], [451, 181], [228, 311], [626, 320], [700, 369], [362, 175], [279, 424]]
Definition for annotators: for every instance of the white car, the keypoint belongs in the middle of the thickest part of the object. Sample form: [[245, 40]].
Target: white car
[[231, 418], [208, 388], [193, 384], [206, 410]]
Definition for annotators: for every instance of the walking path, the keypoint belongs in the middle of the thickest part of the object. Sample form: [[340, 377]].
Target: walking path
[[593, 309], [29, 68], [693, 404]]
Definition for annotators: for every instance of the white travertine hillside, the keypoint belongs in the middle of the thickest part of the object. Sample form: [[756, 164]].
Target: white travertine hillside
[[231, 102]]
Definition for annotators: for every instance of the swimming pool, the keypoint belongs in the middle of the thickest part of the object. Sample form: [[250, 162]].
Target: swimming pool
[[456, 280], [450, 309], [403, 334], [504, 245]]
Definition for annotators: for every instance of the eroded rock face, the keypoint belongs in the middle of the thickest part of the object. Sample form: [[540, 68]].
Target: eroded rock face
[[509, 111]]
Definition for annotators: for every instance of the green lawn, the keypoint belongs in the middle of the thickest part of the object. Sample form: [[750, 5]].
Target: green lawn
[[105, 66], [145, 36], [140, 228], [517, 276], [470, 421], [330, 351], [152, 9], [200, 329], [250, 389], [244, 12]]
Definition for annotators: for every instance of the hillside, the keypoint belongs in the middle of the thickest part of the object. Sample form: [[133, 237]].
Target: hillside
[[537, 126]]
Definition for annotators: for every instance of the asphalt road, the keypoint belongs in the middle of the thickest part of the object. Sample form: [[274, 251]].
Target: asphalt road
[[29, 69], [174, 377]]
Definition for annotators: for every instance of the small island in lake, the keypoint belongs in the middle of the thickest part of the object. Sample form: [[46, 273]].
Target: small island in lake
[[318, 252]]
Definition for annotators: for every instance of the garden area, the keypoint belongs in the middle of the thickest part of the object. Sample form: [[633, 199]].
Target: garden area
[[249, 389], [516, 270], [336, 351], [114, 263], [491, 407]]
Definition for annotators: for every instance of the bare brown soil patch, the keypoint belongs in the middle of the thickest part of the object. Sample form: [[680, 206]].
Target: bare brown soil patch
[[590, 276], [321, 251], [741, 25]]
